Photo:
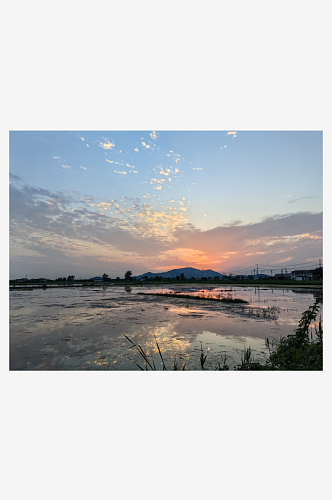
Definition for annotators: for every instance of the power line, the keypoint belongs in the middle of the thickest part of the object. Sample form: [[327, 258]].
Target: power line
[[305, 265]]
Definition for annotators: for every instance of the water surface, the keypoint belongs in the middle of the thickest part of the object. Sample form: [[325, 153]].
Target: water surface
[[83, 328]]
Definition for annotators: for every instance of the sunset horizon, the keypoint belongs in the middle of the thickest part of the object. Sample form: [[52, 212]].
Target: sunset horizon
[[86, 203]]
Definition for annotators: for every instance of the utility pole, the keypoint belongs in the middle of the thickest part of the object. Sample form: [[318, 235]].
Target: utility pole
[[257, 269], [320, 263], [271, 273]]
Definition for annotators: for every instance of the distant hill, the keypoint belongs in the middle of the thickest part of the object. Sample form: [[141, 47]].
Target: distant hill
[[189, 272]]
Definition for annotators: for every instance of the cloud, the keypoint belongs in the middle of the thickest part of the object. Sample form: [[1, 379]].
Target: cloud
[[84, 168], [66, 166], [122, 173], [287, 259], [153, 135], [57, 157], [168, 170], [197, 168], [14, 177], [71, 227], [302, 198], [136, 149], [234, 134], [158, 181], [107, 145], [146, 146], [82, 138], [185, 256]]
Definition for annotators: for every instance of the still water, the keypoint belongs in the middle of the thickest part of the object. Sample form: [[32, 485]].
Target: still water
[[83, 328]]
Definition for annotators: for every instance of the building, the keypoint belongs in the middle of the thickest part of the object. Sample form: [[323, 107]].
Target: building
[[302, 275]]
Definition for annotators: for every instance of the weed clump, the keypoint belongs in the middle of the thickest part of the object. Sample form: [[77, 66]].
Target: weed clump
[[299, 351], [228, 300]]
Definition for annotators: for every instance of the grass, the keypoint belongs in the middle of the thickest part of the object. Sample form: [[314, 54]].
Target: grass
[[299, 351]]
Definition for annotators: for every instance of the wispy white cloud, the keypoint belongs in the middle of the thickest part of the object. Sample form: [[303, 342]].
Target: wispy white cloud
[[168, 170], [158, 181], [302, 198], [84, 168], [234, 134], [57, 157], [153, 135], [82, 138], [136, 149], [146, 146], [87, 146], [66, 166], [107, 145], [197, 168]]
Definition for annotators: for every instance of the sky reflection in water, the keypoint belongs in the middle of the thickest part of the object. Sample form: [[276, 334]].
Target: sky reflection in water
[[83, 328]]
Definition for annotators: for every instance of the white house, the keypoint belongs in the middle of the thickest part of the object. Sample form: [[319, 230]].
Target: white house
[[302, 275]]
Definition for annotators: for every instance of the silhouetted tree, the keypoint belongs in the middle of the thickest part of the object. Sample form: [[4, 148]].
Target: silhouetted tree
[[182, 276], [318, 273], [70, 278], [177, 277], [128, 275], [105, 277]]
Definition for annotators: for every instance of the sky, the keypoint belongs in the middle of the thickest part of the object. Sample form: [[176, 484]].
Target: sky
[[91, 202]]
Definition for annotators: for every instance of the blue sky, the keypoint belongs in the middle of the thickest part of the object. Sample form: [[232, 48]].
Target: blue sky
[[88, 202]]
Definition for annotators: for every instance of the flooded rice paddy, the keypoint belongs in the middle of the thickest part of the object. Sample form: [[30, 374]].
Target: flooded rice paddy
[[83, 328]]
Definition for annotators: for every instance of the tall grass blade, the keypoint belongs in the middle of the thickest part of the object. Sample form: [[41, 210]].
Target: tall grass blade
[[164, 367]]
